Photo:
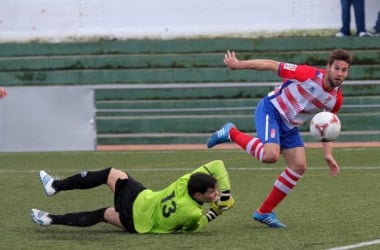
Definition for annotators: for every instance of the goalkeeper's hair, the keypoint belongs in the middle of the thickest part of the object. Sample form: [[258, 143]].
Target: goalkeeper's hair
[[200, 182]]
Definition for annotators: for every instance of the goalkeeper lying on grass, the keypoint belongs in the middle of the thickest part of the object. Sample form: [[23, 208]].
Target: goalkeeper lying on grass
[[177, 208]]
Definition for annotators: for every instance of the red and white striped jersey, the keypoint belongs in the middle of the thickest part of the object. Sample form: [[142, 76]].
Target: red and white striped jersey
[[302, 94]]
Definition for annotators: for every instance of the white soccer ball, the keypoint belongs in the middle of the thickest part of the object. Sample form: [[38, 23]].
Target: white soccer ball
[[325, 126]]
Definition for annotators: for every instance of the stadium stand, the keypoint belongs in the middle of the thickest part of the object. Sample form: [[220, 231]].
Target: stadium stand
[[178, 91]]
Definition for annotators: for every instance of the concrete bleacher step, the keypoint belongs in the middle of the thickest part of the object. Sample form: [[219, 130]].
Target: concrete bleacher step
[[200, 45], [170, 61], [198, 138], [215, 91], [165, 60], [161, 123], [161, 75]]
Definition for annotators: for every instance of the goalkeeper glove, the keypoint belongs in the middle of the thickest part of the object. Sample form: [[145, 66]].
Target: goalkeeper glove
[[224, 205], [217, 208], [213, 212]]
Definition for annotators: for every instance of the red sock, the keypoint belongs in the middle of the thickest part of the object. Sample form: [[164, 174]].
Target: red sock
[[252, 145], [281, 188]]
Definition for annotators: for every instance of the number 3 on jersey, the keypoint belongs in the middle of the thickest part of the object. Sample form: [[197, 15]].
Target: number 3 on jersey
[[169, 205]]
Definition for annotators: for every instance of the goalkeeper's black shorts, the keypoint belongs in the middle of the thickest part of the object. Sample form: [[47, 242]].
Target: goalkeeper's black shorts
[[126, 191]]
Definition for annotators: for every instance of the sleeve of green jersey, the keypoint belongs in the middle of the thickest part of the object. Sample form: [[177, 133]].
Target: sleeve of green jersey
[[195, 225], [218, 171]]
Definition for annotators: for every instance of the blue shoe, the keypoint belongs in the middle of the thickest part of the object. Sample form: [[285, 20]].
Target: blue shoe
[[220, 136], [269, 219]]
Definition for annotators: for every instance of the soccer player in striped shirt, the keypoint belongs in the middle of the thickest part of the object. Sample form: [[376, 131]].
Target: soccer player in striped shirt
[[304, 91], [176, 208]]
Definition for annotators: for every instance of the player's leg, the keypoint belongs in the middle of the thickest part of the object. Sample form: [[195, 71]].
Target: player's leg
[[83, 180], [267, 153], [295, 158], [107, 176], [377, 24], [113, 176], [222, 135], [359, 11], [113, 217], [79, 219], [287, 180], [266, 145], [346, 17], [294, 154]]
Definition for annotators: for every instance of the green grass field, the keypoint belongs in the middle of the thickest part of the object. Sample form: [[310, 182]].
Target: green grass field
[[323, 212]]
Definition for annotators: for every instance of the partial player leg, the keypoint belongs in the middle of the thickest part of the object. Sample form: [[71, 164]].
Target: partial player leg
[[113, 176], [283, 185], [346, 17], [266, 146], [281, 188], [220, 136], [112, 217], [268, 153], [80, 219], [83, 180], [359, 11]]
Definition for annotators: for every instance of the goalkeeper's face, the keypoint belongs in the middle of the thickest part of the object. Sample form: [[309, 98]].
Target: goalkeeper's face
[[210, 196]]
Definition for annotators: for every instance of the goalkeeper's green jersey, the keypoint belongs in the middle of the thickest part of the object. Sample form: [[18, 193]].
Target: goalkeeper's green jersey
[[172, 209]]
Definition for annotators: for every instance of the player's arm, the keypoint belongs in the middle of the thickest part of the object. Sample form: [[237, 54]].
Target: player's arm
[[219, 172], [195, 223], [333, 165], [232, 62], [3, 92]]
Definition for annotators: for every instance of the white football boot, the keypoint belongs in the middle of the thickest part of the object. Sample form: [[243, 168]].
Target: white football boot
[[47, 182], [40, 217]]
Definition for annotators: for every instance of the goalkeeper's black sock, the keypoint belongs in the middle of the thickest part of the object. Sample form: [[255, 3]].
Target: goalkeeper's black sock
[[81, 219], [225, 195], [83, 180]]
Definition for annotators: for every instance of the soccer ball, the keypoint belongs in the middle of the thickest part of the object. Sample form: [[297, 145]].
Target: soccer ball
[[325, 126]]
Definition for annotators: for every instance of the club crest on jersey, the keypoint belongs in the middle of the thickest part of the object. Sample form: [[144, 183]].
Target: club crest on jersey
[[290, 66], [328, 99], [311, 89], [272, 133]]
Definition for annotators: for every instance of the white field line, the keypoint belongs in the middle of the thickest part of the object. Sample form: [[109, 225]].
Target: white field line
[[159, 169], [362, 244]]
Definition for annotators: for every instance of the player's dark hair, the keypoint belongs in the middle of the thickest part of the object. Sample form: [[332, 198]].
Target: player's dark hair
[[340, 54], [200, 182]]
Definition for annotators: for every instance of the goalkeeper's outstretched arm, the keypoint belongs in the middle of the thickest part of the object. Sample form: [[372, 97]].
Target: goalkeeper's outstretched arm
[[218, 171], [225, 202]]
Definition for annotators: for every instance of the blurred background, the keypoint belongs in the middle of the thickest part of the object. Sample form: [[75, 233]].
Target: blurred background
[[83, 74]]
